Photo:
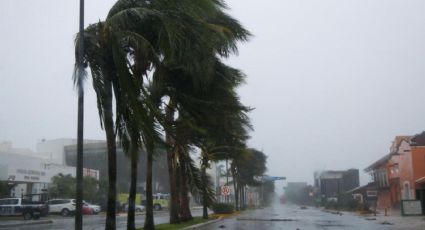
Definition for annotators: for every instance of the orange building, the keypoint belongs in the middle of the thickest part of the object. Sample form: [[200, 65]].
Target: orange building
[[400, 175]]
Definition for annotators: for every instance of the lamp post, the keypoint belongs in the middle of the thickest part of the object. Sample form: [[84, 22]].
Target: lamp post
[[80, 125]]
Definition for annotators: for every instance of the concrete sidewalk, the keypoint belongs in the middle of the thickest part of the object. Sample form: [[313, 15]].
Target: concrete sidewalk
[[18, 223]]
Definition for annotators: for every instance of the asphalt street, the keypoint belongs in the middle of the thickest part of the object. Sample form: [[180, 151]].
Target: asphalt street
[[292, 217]]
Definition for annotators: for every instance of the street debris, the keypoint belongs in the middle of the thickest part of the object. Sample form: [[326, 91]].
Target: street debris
[[387, 223], [260, 219]]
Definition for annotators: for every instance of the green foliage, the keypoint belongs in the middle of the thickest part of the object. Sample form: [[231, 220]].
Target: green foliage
[[249, 165], [222, 208], [4, 189], [63, 186], [90, 189], [148, 50]]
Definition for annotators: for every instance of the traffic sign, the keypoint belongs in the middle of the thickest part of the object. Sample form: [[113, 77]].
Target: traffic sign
[[225, 190]]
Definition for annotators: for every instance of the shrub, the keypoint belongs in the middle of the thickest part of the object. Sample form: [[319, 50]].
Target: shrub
[[222, 208]]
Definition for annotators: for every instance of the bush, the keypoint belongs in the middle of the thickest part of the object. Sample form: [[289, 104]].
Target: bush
[[222, 208]]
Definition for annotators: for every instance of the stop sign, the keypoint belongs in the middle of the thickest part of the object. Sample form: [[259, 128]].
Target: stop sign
[[225, 190]]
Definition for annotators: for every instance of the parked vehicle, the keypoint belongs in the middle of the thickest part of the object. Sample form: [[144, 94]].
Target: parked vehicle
[[87, 210], [18, 206], [138, 208], [95, 209], [160, 201], [64, 207]]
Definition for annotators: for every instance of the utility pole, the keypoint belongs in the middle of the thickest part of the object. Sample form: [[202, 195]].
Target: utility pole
[[80, 125]]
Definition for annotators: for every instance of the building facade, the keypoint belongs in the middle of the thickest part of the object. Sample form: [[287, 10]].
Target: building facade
[[331, 185], [400, 175], [96, 157], [31, 174]]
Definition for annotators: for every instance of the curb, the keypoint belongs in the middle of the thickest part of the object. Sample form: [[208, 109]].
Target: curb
[[26, 223], [203, 224]]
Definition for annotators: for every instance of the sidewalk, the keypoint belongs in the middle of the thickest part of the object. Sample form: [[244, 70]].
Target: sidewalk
[[395, 219], [17, 223]]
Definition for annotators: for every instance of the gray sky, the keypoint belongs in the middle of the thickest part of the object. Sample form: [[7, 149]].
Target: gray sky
[[332, 82]]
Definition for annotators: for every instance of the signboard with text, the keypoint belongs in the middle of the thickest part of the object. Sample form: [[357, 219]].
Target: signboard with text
[[411, 207]]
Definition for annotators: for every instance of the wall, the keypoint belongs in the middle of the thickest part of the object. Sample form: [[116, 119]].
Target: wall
[[384, 199], [418, 160], [405, 170]]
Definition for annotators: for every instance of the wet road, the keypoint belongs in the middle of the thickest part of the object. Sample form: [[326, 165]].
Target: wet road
[[97, 222], [292, 217]]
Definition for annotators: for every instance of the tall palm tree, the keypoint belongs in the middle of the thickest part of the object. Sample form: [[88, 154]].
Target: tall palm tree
[[183, 35], [98, 55]]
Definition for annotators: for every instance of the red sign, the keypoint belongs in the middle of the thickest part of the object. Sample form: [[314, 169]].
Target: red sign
[[225, 190]]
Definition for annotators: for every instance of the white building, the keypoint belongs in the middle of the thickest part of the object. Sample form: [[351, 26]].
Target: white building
[[28, 173]]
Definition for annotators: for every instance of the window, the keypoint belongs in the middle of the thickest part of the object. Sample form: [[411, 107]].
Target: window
[[406, 190], [14, 201]]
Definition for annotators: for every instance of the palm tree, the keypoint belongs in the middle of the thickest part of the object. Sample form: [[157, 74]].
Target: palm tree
[[164, 35]]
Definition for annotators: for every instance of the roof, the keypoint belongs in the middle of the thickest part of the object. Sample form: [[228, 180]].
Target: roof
[[394, 151], [419, 139], [420, 180], [363, 188], [380, 162]]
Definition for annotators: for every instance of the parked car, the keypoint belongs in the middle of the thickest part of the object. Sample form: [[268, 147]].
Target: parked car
[[87, 210], [138, 208], [94, 207], [64, 207], [18, 206]]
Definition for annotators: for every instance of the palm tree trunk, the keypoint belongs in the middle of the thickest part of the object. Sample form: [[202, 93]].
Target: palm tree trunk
[[149, 223], [185, 214], [204, 189], [174, 196], [242, 197], [112, 159], [131, 225], [235, 187]]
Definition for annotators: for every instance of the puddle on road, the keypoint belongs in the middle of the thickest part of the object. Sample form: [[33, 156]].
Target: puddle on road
[[260, 219], [329, 223]]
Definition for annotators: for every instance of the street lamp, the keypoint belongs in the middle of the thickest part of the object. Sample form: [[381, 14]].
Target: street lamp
[[80, 123]]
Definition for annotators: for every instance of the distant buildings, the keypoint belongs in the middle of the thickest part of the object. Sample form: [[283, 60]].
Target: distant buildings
[[331, 185], [28, 172], [400, 175], [96, 157]]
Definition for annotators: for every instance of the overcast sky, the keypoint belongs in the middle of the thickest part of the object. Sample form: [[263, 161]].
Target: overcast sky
[[332, 82]]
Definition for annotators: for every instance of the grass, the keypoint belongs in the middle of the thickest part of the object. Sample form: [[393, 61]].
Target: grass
[[196, 220]]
